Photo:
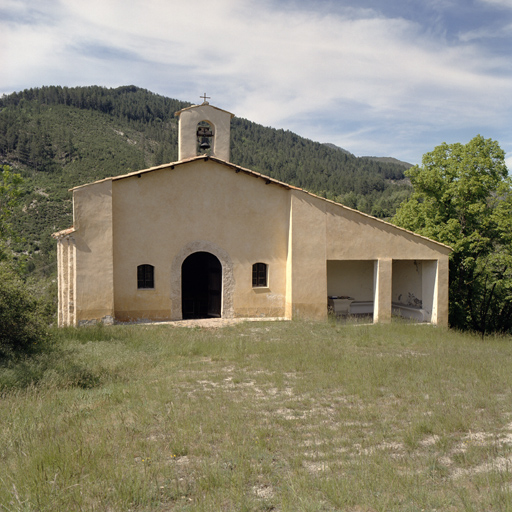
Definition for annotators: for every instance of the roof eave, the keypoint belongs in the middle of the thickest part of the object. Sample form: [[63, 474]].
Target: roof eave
[[63, 233], [177, 114]]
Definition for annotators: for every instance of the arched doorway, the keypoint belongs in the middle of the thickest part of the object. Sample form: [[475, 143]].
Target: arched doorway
[[201, 286]]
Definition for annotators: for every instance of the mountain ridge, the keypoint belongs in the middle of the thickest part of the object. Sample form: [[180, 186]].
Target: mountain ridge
[[59, 137]]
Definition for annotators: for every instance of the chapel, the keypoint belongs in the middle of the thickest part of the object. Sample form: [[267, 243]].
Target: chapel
[[203, 237]]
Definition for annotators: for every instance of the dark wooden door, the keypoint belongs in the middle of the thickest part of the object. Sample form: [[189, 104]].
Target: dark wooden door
[[214, 288], [201, 286]]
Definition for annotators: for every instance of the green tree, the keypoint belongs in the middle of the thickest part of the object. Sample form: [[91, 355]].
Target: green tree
[[9, 193], [22, 327], [463, 197]]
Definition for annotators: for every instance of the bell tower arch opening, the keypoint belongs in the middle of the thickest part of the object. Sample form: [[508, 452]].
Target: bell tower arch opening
[[205, 138]]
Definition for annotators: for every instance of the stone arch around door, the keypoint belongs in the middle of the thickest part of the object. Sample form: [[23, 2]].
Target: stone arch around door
[[228, 280]]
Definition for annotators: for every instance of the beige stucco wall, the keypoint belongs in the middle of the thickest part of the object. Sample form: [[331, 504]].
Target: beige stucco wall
[[351, 278], [306, 294], [200, 204], [355, 236], [312, 247], [407, 281], [92, 214]]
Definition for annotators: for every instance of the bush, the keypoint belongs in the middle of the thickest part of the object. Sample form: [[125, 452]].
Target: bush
[[22, 328]]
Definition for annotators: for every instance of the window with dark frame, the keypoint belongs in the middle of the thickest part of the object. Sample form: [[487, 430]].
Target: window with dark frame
[[145, 276], [259, 275]]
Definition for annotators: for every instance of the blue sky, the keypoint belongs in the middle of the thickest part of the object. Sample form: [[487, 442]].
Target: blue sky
[[393, 78]]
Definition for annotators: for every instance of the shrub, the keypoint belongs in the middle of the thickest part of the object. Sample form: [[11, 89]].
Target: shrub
[[22, 329]]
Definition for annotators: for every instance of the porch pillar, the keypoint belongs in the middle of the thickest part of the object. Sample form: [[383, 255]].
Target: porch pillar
[[382, 287], [429, 290], [435, 291], [440, 313]]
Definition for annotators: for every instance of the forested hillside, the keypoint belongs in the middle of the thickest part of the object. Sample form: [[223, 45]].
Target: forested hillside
[[59, 137]]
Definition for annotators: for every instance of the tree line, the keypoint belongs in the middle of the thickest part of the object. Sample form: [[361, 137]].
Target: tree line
[[281, 154], [61, 137]]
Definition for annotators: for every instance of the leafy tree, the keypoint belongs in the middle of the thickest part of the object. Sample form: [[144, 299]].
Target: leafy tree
[[463, 197], [9, 192], [22, 328]]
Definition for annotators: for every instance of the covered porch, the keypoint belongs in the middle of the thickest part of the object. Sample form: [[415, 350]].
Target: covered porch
[[382, 288]]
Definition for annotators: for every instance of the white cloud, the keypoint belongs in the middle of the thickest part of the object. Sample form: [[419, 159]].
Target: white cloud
[[499, 3], [486, 32], [372, 79]]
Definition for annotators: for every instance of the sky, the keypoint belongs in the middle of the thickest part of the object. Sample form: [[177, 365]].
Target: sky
[[376, 77]]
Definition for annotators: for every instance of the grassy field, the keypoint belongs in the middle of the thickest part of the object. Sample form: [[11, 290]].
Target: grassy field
[[284, 416]]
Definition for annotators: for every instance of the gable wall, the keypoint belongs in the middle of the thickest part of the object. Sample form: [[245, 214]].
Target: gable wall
[[160, 213]]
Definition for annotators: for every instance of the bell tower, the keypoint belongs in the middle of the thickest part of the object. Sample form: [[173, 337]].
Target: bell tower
[[204, 130]]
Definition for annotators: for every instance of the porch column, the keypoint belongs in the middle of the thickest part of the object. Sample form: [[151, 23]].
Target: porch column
[[429, 289], [60, 282], [435, 290], [382, 287], [440, 313], [72, 281]]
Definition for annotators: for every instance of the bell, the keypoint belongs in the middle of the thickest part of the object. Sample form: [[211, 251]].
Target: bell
[[204, 131], [205, 144]]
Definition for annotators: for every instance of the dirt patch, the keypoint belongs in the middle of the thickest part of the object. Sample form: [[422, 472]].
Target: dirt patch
[[210, 323]]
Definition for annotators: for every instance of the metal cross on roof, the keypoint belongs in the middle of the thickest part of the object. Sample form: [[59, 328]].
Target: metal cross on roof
[[205, 98]]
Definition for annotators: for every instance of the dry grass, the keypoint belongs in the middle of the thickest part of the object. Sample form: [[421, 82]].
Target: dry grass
[[277, 416]]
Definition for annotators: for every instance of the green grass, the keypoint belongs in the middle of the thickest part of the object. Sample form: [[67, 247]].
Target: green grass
[[290, 416]]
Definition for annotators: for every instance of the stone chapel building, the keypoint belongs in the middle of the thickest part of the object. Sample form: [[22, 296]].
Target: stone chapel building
[[204, 237]]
